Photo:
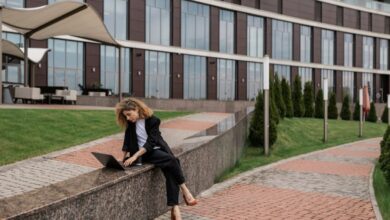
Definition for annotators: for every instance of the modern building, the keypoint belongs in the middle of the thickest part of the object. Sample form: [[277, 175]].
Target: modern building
[[346, 41]]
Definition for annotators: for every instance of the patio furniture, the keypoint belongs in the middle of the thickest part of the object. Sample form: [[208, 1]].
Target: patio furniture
[[67, 95], [32, 94]]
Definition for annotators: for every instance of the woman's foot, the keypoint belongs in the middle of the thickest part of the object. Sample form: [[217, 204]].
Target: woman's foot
[[189, 199], [175, 213]]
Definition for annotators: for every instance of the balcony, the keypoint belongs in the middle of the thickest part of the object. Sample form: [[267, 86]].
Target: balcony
[[369, 4]]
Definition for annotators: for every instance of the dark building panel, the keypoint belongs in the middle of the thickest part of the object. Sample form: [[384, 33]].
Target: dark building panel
[[378, 23], [40, 73], [377, 86], [34, 3], [358, 83], [299, 8], [268, 37], [214, 33], [316, 49], [339, 86], [136, 26], [296, 42], [250, 3], [92, 64], [138, 72], [177, 76], [339, 48], [365, 21], [241, 80], [329, 13], [212, 78], [176, 23], [294, 72], [270, 5], [357, 51], [97, 4], [351, 18], [377, 48], [241, 33]]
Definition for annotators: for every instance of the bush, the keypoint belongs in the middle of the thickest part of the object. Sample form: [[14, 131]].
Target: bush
[[256, 131], [308, 99], [319, 106], [372, 114], [297, 97], [385, 115], [286, 91], [274, 109], [332, 108], [278, 97], [384, 159], [356, 111], [345, 113]]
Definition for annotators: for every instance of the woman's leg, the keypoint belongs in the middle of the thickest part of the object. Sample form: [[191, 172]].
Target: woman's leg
[[175, 213], [186, 192]]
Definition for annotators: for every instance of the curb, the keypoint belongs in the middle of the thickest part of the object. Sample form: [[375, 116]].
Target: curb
[[372, 196]]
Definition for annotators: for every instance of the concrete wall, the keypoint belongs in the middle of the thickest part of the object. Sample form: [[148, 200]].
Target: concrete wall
[[139, 194]]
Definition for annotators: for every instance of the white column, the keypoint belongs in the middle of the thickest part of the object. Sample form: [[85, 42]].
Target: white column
[[266, 104]]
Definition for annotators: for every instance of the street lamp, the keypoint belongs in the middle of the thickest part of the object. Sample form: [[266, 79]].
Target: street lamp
[[388, 109], [325, 110], [361, 112], [266, 103]]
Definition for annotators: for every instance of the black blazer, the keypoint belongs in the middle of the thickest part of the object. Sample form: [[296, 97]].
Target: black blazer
[[152, 125]]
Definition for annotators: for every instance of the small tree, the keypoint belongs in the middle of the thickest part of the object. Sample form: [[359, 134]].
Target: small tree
[[273, 109], [345, 111], [256, 130], [356, 111], [286, 91], [385, 115], [308, 99], [297, 97], [278, 97], [372, 113], [384, 159], [319, 106], [332, 108]]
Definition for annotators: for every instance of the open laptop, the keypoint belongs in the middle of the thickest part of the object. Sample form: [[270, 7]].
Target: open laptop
[[109, 161]]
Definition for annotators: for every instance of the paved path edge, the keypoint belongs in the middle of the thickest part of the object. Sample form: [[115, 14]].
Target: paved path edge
[[374, 202]]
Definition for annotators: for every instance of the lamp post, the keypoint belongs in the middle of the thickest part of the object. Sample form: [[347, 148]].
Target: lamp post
[[388, 109], [325, 110], [361, 112], [266, 103]]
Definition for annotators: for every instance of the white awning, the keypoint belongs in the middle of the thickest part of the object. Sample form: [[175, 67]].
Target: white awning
[[61, 18], [35, 55]]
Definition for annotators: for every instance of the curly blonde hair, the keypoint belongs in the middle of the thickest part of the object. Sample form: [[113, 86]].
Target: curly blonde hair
[[131, 104]]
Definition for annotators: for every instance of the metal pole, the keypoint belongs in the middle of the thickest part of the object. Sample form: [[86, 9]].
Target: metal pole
[[266, 122], [26, 44], [120, 74], [1, 55], [361, 112], [325, 121]]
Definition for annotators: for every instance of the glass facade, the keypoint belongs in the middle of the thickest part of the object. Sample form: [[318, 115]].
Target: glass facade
[[384, 54], [305, 55], [327, 48], [13, 3], [226, 31], [14, 68], [368, 63], [194, 77], [254, 80], [158, 26], [348, 77], [255, 36], [115, 18], [195, 25], [109, 68], [52, 1], [226, 79], [65, 63], [282, 46], [157, 74]]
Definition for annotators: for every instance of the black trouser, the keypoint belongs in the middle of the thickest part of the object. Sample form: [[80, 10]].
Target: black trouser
[[171, 168]]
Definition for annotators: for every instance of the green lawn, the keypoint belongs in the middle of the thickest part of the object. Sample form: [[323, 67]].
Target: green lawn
[[382, 193], [298, 136], [27, 133]]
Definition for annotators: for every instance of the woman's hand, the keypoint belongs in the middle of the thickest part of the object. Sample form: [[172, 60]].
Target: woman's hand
[[130, 161]]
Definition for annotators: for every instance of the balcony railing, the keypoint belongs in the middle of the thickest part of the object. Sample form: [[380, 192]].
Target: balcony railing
[[370, 4]]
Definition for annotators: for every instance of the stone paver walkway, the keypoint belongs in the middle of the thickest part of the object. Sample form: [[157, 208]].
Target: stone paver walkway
[[28, 175], [328, 184]]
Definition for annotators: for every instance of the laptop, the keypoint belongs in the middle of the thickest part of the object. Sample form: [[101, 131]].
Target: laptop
[[109, 161]]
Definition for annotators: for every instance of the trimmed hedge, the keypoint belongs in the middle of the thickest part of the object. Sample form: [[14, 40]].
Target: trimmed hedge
[[308, 99], [278, 97], [356, 111], [297, 97], [286, 91], [319, 106], [345, 113], [385, 115], [384, 159], [372, 113], [332, 108]]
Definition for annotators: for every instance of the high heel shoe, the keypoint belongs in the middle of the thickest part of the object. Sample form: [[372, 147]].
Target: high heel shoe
[[192, 203]]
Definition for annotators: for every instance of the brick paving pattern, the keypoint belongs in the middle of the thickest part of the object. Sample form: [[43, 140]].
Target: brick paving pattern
[[329, 184]]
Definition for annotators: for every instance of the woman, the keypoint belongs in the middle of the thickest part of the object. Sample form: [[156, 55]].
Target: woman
[[143, 140]]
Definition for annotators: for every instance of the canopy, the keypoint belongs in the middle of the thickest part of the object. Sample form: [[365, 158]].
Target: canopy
[[35, 55], [60, 18]]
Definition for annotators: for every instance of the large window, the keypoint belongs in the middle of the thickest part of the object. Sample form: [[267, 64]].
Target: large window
[[109, 68], [305, 40], [14, 68], [65, 63], [327, 48], [255, 36], [158, 22], [254, 80], [226, 79], [13, 3], [195, 29], [194, 77], [368, 63], [226, 31], [115, 18], [156, 75], [52, 1], [282, 46], [384, 54], [348, 77]]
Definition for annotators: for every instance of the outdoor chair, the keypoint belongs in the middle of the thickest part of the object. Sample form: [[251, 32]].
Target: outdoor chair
[[67, 95], [28, 94]]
